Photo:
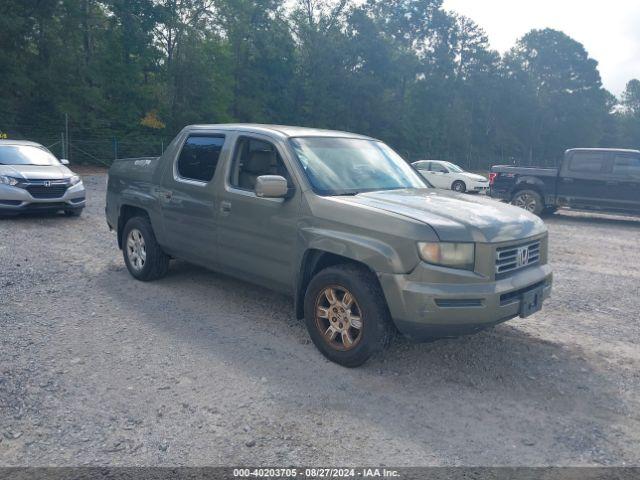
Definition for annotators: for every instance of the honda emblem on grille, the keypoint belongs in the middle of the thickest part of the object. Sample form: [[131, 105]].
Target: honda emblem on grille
[[47, 183], [523, 256]]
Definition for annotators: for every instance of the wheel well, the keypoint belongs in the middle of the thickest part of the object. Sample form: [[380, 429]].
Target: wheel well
[[313, 262], [127, 212], [527, 186]]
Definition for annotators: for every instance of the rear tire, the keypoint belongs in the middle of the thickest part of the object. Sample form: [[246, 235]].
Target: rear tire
[[362, 322], [529, 200], [143, 256], [459, 186]]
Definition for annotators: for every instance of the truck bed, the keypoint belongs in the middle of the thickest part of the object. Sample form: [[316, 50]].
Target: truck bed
[[137, 169]]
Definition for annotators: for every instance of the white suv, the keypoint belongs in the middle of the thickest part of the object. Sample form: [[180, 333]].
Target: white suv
[[449, 176], [32, 179]]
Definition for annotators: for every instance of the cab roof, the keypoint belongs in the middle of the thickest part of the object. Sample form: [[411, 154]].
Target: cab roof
[[619, 150], [279, 130]]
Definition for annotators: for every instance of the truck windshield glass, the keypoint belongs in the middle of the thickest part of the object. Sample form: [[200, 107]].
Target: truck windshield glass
[[348, 166], [26, 155]]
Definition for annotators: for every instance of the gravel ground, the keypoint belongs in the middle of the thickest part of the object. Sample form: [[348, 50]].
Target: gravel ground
[[201, 369]]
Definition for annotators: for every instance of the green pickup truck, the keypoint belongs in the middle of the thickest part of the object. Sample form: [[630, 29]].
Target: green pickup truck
[[339, 221]]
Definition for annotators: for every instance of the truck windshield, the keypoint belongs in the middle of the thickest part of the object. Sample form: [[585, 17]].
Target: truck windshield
[[26, 155], [348, 166]]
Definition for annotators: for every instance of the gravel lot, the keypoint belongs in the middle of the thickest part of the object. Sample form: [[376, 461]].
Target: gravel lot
[[201, 369]]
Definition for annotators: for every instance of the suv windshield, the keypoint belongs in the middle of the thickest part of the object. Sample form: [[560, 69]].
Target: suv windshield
[[26, 155], [348, 166]]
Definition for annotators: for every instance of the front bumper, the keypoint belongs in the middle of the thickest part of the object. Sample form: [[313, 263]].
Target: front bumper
[[16, 200], [478, 187], [423, 311]]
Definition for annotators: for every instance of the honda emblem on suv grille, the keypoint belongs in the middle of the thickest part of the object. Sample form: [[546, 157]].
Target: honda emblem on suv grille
[[47, 183], [523, 256]]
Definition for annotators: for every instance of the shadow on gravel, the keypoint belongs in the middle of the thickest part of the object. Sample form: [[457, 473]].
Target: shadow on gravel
[[522, 382], [256, 330], [24, 217], [593, 219]]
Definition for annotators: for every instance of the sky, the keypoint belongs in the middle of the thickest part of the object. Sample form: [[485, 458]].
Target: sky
[[610, 31]]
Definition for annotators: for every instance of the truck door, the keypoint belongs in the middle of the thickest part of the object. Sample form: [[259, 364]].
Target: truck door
[[581, 183], [187, 198], [257, 236], [624, 178]]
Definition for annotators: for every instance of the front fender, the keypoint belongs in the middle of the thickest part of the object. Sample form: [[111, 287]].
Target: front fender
[[379, 256]]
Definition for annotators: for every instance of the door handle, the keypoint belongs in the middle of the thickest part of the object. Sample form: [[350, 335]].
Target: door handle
[[567, 180], [612, 183], [225, 207]]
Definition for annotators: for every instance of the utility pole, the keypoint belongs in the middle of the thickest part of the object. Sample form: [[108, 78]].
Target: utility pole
[[66, 129], [64, 147]]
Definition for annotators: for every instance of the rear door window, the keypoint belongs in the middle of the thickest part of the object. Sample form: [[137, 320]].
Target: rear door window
[[626, 165], [421, 165], [199, 157], [587, 162]]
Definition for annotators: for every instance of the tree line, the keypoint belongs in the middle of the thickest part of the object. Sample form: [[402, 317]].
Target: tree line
[[423, 79]]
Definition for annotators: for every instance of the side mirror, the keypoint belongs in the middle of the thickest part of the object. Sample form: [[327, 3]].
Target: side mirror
[[271, 186], [64, 161]]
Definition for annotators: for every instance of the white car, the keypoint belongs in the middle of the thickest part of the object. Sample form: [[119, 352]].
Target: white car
[[449, 176]]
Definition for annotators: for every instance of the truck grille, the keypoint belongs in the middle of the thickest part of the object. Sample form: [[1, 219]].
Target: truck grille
[[515, 257]]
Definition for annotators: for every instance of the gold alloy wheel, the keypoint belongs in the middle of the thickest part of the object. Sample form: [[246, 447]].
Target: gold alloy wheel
[[338, 318]]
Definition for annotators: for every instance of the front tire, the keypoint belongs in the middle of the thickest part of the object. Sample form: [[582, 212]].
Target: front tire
[[529, 200], [143, 256], [346, 315], [459, 186]]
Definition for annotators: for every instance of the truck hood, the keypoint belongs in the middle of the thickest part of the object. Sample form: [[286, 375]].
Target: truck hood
[[456, 217], [36, 172]]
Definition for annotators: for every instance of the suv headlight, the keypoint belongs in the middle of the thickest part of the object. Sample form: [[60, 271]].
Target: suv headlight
[[4, 180], [75, 180], [452, 255]]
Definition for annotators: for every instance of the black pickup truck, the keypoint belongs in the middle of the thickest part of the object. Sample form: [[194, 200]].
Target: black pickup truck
[[597, 179]]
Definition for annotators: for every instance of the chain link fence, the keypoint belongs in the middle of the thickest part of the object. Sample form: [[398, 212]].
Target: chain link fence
[[96, 148], [99, 151]]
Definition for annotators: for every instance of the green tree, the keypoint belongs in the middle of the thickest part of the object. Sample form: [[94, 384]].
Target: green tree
[[631, 97], [629, 117], [555, 78], [261, 55]]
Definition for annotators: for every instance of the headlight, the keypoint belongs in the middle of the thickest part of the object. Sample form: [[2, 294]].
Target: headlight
[[4, 180], [453, 255], [75, 180]]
